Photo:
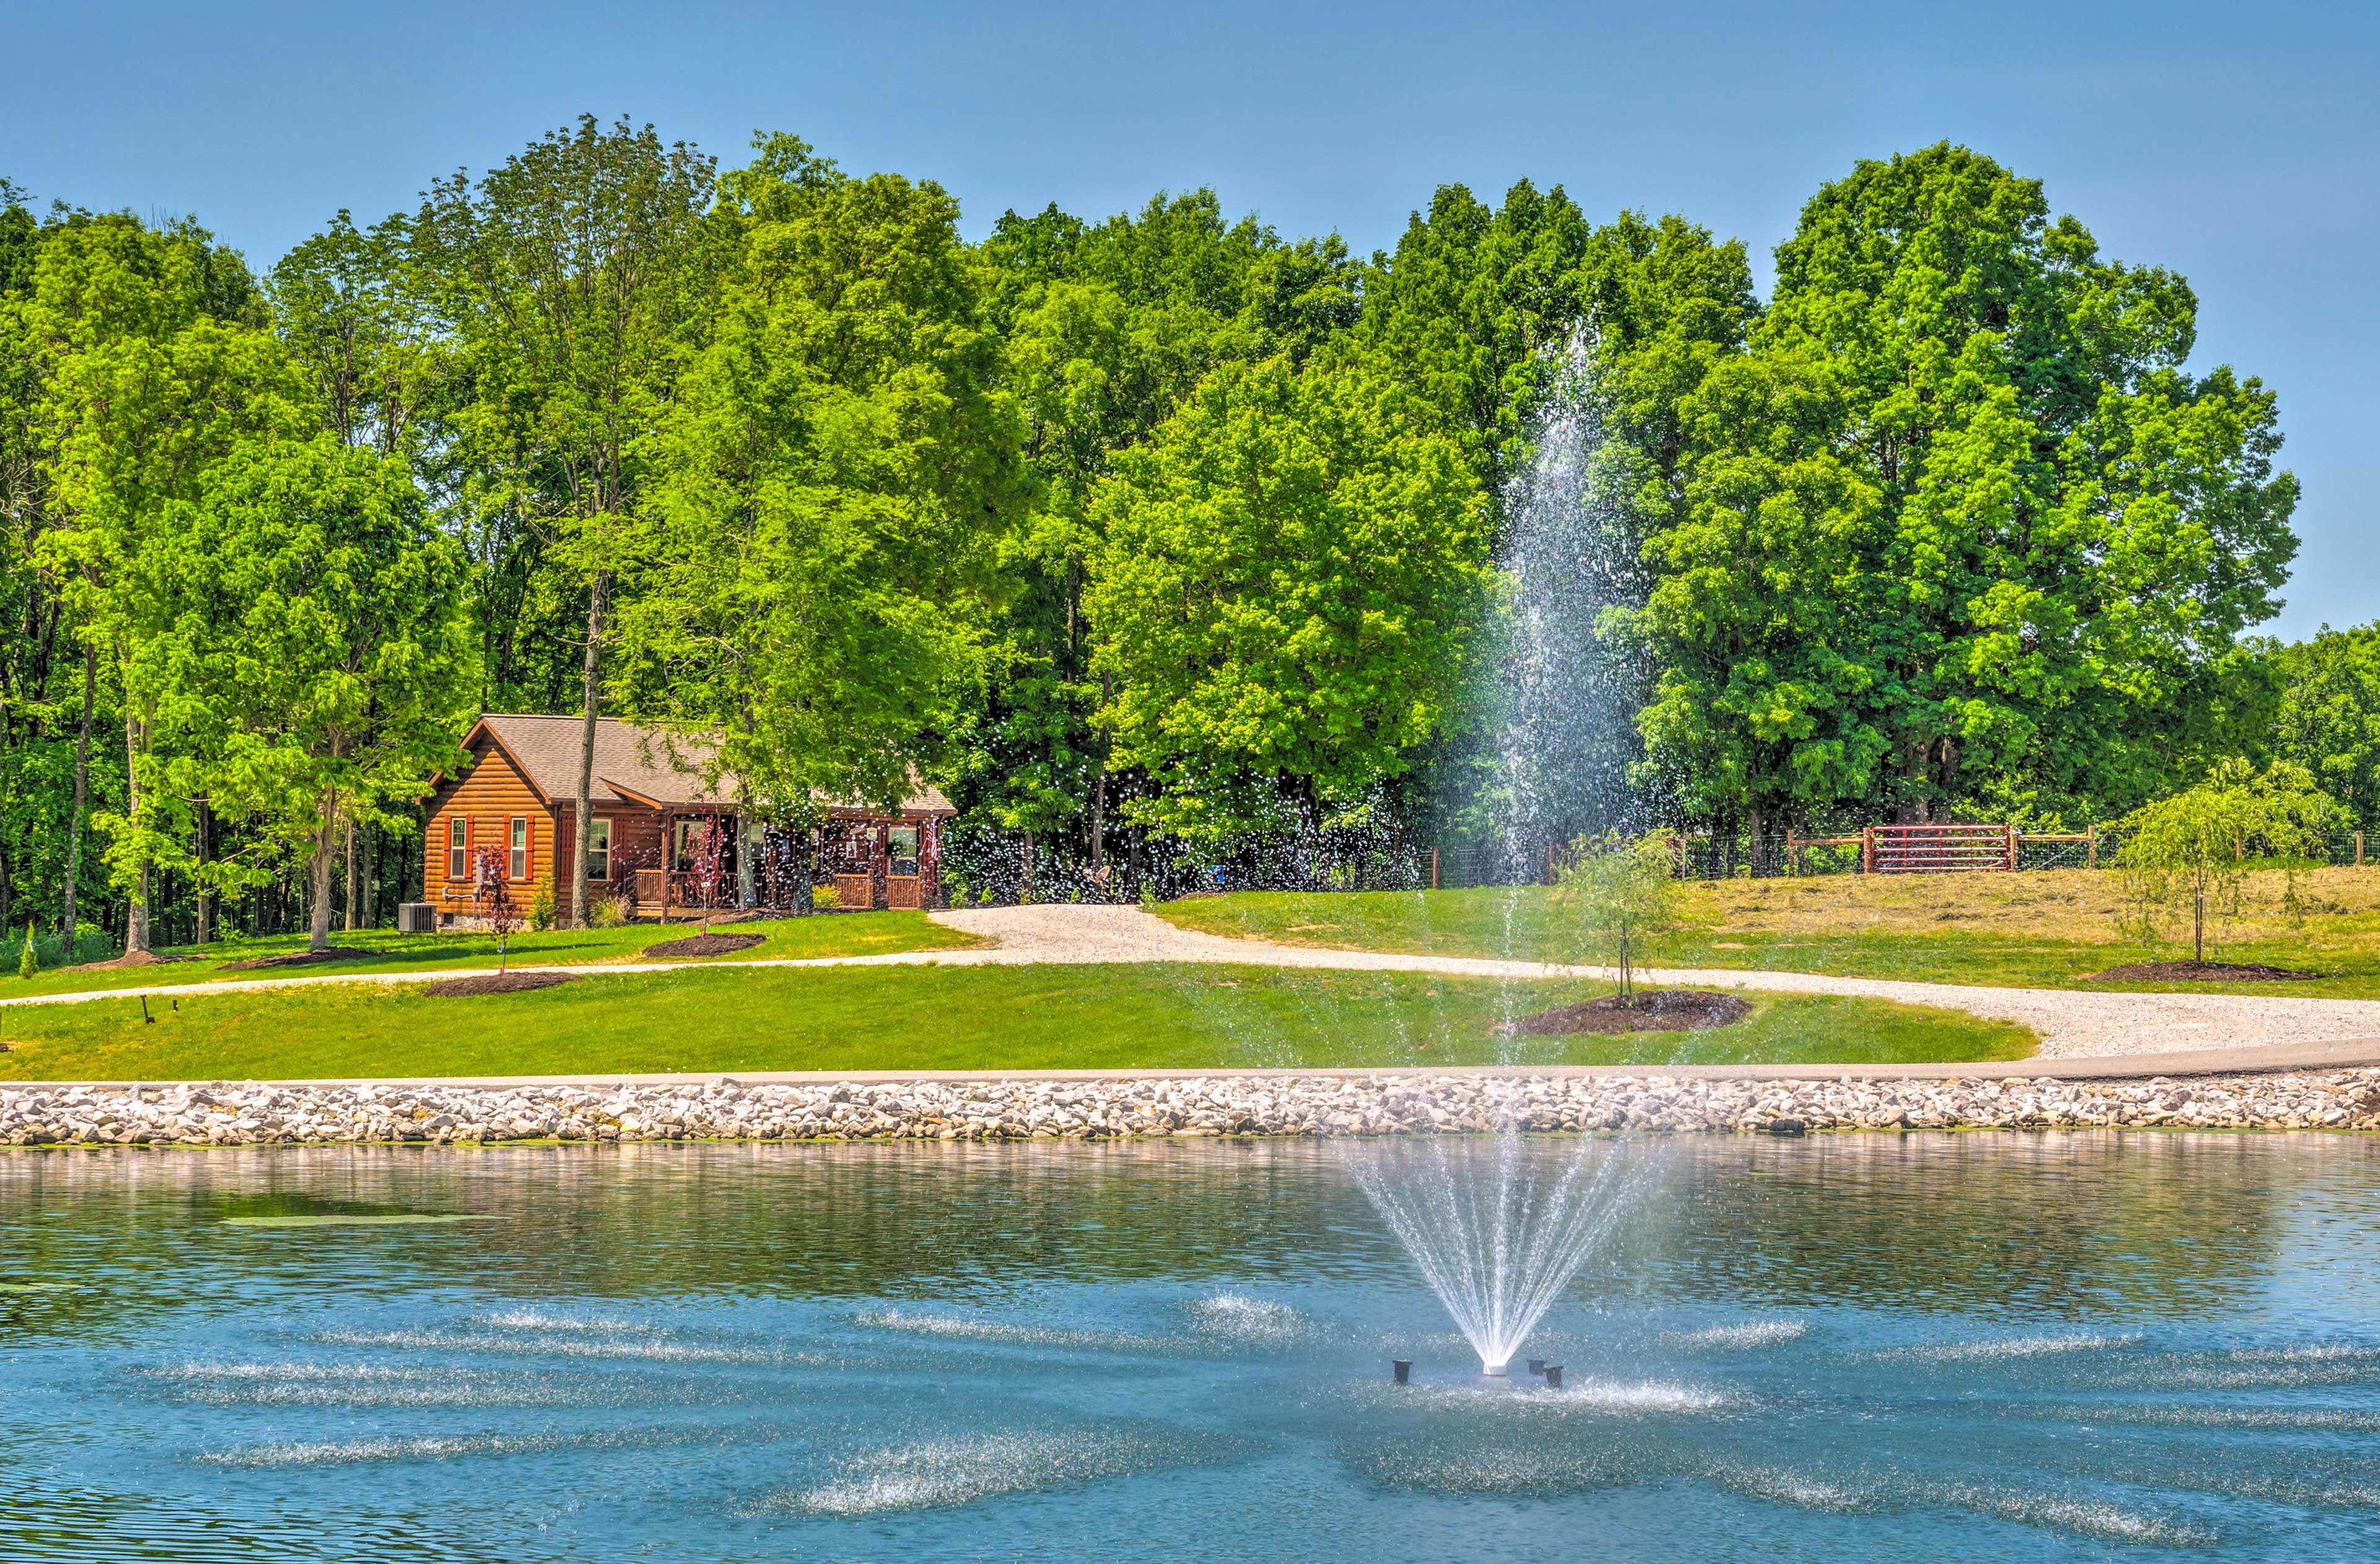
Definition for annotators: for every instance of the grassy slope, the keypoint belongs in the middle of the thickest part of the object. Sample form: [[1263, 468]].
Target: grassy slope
[[912, 1018], [2043, 929], [844, 934]]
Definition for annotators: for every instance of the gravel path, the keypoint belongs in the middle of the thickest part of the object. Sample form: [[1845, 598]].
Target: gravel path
[[2071, 1025]]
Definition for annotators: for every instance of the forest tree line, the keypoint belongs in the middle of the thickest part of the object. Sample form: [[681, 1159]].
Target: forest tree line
[[1155, 523]]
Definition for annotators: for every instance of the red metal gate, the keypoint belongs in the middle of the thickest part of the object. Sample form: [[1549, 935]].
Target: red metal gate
[[1936, 849]]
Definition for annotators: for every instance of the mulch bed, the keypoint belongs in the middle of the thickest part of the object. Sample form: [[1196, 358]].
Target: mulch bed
[[1665, 1010], [2200, 972], [498, 983], [298, 958], [706, 945]]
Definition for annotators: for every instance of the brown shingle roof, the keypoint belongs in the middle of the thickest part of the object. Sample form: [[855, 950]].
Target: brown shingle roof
[[633, 763]]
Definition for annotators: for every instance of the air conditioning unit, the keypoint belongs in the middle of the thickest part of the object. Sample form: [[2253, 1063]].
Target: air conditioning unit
[[417, 917]]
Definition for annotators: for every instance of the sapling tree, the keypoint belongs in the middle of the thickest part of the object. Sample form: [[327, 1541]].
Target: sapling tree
[[1615, 896], [493, 899], [2190, 855], [707, 860]]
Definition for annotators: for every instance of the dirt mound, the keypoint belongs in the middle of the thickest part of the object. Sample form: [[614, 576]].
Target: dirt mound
[[499, 983], [1665, 1009], [706, 945], [137, 958], [2200, 972], [298, 958]]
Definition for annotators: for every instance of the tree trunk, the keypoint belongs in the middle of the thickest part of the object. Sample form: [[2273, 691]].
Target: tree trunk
[[135, 912], [1751, 825], [805, 873], [355, 877], [585, 800], [81, 792], [205, 833], [326, 847]]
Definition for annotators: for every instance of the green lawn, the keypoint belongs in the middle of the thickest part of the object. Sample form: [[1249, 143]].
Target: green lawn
[[841, 934], [2025, 931], [1150, 1016]]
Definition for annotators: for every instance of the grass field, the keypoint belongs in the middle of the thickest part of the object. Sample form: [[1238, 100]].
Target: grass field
[[844, 934], [1146, 1016], [2046, 929]]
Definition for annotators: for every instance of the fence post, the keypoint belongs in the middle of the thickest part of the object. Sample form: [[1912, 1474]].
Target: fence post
[[1792, 854], [2093, 835], [1867, 849], [2010, 828], [1433, 868]]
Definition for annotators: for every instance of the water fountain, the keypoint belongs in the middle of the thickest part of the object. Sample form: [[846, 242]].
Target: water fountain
[[1499, 1226], [1498, 1230]]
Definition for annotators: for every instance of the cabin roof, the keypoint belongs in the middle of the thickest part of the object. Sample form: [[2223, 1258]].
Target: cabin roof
[[634, 765]]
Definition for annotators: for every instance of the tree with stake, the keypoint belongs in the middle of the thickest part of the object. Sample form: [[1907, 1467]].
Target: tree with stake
[[707, 860], [2192, 852], [1614, 897], [492, 898]]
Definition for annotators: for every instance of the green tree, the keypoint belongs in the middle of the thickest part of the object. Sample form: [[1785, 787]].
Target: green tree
[[578, 278], [1290, 576], [2189, 855], [1614, 897], [154, 365], [321, 664], [2329, 719], [816, 578], [2049, 536]]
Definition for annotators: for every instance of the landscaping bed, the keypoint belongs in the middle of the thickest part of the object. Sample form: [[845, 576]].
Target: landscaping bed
[[498, 983], [1655, 1010], [706, 944]]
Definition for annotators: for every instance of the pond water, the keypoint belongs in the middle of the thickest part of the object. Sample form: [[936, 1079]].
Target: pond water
[[2035, 1346]]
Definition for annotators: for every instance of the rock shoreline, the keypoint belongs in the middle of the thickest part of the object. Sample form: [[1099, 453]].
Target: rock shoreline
[[224, 1114]]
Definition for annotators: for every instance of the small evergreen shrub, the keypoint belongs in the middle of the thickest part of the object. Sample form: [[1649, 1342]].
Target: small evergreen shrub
[[824, 899], [27, 964], [608, 912], [541, 905]]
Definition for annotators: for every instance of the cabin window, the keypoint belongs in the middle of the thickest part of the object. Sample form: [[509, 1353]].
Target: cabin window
[[903, 850], [519, 869], [689, 843], [598, 850], [458, 848]]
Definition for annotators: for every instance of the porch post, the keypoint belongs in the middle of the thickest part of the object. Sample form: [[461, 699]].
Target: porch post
[[880, 865], [743, 860], [929, 861]]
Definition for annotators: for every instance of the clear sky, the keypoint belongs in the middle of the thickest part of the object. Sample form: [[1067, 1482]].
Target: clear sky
[[2237, 143]]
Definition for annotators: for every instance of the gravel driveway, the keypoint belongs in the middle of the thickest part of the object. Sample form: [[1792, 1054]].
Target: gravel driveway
[[2071, 1025]]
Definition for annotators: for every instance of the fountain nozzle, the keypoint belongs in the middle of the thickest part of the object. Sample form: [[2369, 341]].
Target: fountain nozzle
[[1495, 1370], [1402, 1369]]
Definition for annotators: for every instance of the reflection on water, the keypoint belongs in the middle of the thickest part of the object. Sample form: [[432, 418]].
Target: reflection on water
[[1858, 1347]]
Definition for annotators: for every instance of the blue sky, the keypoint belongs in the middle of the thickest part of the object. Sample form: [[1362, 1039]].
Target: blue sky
[[2239, 144]]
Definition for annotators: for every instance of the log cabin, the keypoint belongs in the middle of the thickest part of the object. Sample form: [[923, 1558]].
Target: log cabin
[[652, 805]]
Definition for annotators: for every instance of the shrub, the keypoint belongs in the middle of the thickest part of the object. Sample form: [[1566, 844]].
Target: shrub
[[823, 897], [27, 964], [541, 905], [609, 912]]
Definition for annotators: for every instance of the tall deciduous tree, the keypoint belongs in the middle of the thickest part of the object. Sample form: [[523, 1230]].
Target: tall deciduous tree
[[156, 364], [2329, 719], [580, 280], [320, 663], [1288, 581], [2040, 535], [814, 583]]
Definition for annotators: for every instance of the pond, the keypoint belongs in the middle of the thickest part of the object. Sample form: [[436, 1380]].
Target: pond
[[1874, 1346]]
